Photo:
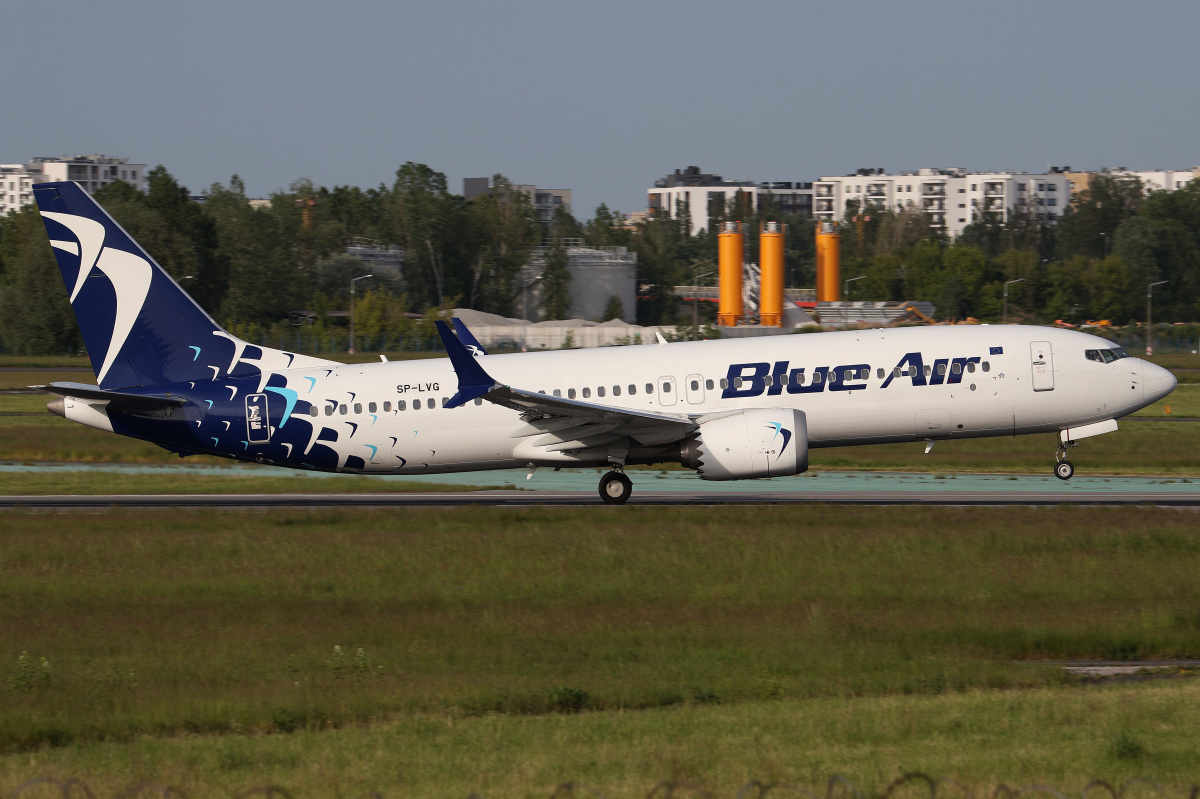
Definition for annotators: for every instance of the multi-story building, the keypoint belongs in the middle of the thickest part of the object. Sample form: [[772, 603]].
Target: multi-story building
[[545, 201], [1156, 180], [951, 197], [90, 171], [703, 197]]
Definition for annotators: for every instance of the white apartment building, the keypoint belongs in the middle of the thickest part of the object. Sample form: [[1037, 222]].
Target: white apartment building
[[1154, 180], [90, 171], [950, 196], [698, 195]]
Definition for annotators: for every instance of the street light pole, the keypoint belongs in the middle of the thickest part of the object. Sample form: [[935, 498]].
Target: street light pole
[[1149, 319], [352, 282], [846, 298], [696, 302], [1018, 280]]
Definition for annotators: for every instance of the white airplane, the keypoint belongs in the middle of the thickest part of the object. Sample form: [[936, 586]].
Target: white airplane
[[730, 409]]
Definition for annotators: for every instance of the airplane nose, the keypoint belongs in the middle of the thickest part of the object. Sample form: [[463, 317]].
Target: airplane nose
[[1159, 382]]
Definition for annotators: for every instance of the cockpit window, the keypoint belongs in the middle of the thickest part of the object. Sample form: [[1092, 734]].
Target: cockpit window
[[1106, 356]]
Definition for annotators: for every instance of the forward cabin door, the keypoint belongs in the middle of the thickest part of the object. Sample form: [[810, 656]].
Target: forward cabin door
[[1043, 365], [694, 384]]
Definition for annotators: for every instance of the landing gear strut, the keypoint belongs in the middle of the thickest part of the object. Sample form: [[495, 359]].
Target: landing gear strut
[[1063, 468], [615, 487]]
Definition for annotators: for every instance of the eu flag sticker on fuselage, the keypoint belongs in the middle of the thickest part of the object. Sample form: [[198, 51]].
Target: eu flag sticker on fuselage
[[258, 426], [996, 351]]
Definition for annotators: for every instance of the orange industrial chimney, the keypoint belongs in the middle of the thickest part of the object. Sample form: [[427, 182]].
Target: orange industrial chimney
[[729, 268], [829, 262], [770, 263]]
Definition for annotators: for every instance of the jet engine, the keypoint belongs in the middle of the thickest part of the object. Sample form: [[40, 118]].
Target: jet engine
[[756, 442]]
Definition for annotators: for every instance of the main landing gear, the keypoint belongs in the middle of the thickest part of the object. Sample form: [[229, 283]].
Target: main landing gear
[[615, 487], [1063, 468]]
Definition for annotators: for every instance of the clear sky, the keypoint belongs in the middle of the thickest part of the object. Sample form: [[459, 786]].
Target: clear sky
[[600, 98]]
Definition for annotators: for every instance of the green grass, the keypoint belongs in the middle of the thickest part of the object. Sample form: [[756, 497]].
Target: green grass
[[1061, 737], [169, 623]]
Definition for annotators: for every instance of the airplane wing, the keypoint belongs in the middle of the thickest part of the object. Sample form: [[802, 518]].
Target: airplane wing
[[563, 424], [117, 400]]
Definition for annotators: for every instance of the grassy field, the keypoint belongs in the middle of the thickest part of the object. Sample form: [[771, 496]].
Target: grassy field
[[181, 623], [1061, 737], [507, 651]]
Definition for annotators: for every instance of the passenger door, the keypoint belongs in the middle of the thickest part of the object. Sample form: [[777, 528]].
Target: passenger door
[[1042, 359], [694, 389]]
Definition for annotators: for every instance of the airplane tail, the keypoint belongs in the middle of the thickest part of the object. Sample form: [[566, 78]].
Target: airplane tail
[[140, 327]]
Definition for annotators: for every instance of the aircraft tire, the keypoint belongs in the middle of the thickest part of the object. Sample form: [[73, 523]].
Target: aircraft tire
[[1063, 470], [615, 488]]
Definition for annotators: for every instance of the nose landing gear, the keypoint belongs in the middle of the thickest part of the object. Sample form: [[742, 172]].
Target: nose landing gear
[[615, 487], [1063, 468]]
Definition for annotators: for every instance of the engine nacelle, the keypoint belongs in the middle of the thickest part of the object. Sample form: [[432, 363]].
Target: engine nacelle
[[757, 442]]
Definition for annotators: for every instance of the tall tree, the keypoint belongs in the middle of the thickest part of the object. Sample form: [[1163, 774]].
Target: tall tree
[[35, 314]]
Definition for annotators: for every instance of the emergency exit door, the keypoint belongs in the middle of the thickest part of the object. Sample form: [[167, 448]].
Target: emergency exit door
[[1042, 358]]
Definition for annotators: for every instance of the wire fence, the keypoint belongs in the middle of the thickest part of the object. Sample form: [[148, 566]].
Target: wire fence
[[838, 787]]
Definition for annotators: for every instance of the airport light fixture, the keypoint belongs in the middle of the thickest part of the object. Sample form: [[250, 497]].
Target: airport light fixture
[[352, 282], [1018, 280], [1149, 319]]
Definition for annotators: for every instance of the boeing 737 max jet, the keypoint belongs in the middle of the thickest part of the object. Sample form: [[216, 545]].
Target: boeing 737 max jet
[[730, 409]]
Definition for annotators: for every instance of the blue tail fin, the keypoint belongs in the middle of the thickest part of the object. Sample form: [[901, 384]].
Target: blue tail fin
[[139, 326]]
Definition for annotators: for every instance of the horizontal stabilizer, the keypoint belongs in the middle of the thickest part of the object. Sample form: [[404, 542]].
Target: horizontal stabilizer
[[117, 400]]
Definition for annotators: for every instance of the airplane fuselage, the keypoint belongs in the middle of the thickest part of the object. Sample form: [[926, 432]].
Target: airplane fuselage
[[854, 387]]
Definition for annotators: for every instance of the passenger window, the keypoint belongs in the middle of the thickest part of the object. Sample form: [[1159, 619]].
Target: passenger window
[[879, 373], [929, 371], [358, 407], [848, 374], [444, 401], [970, 367], [957, 368], [587, 392], [896, 372], [616, 391], [816, 378], [724, 382], [329, 410], [312, 410], [708, 384], [401, 405], [372, 408], [387, 407], [863, 374], [987, 367], [649, 388], [941, 368], [343, 410], [737, 382], [695, 385], [599, 391], [478, 400], [769, 380], [557, 393], [416, 405], [570, 393], [666, 387], [632, 389], [800, 378]]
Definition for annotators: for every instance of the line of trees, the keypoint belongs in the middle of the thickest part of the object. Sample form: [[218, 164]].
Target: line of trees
[[255, 268]]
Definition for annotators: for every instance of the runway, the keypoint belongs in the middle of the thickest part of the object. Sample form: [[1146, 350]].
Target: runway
[[1182, 499]]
